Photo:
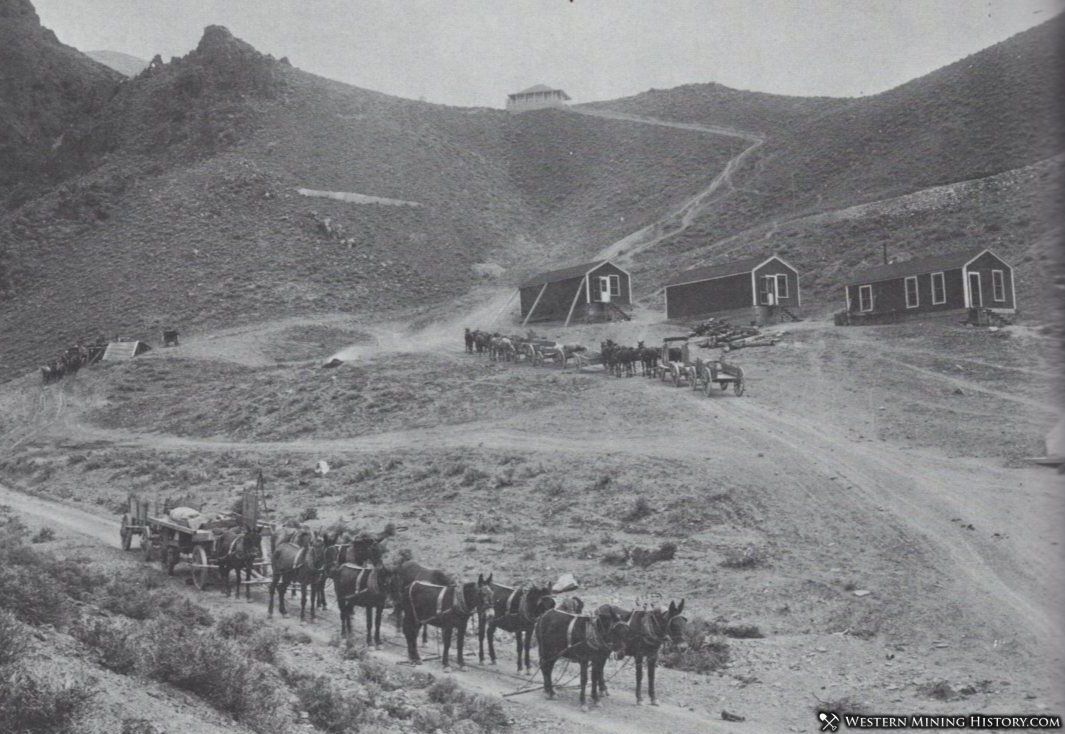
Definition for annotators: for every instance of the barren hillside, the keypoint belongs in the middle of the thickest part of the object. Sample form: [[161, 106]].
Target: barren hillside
[[989, 116], [181, 204]]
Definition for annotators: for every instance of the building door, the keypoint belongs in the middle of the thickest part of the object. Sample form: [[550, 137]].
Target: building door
[[976, 295], [770, 296], [604, 289]]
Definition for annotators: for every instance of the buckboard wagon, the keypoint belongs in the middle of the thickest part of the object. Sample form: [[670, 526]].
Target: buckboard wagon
[[174, 541], [676, 364]]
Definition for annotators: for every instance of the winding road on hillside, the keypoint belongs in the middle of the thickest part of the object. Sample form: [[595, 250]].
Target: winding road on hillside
[[682, 217]]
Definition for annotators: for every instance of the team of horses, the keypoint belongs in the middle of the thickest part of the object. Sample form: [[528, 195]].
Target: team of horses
[[617, 360], [72, 360], [304, 559], [514, 348]]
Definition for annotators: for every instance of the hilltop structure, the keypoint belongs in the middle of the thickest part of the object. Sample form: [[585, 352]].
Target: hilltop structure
[[536, 98]]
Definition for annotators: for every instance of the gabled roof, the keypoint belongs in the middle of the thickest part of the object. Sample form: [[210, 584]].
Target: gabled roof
[[537, 88], [916, 266], [709, 272], [554, 276]]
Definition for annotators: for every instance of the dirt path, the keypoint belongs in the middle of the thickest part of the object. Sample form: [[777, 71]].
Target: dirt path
[[681, 218], [619, 713]]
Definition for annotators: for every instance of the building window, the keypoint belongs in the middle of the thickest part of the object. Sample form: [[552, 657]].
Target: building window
[[998, 286], [782, 285], [615, 285], [913, 298], [939, 289], [865, 298]]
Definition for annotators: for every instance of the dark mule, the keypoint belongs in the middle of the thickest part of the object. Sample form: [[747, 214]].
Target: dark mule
[[363, 550], [407, 573], [587, 640], [237, 550], [572, 604], [362, 586], [516, 611], [645, 631], [300, 560], [446, 607]]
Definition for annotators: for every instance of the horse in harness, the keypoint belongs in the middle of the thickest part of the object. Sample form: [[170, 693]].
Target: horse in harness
[[513, 610], [447, 607], [362, 586], [646, 630], [585, 639], [298, 557]]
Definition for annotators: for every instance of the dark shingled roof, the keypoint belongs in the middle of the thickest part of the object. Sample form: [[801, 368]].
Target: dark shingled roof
[[916, 266], [709, 272], [554, 276]]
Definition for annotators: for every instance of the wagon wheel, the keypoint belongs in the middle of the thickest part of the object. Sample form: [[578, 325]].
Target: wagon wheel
[[126, 533], [200, 572], [738, 386]]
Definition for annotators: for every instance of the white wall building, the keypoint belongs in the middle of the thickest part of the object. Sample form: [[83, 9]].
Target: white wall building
[[536, 98]]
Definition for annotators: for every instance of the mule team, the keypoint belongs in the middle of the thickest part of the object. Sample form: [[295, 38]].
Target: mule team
[[617, 360], [72, 360], [424, 597]]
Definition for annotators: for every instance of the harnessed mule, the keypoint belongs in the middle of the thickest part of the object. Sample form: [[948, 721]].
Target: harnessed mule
[[362, 586], [645, 633], [407, 573], [301, 562], [513, 610], [587, 640], [237, 550], [446, 607]]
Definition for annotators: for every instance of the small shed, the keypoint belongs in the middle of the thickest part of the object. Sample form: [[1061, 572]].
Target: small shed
[[971, 278], [755, 284], [592, 290], [537, 97], [121, 350]]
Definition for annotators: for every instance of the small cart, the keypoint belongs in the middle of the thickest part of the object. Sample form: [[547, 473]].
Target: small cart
[[706, 373]]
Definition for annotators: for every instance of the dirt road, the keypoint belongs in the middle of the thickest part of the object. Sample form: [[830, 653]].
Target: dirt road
[[619, 713], [682, 217]]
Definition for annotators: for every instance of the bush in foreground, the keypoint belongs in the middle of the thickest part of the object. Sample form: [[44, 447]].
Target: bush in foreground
[[698, 652], [30, 704]]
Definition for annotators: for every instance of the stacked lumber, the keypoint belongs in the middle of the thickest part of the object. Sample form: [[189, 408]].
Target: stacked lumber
[[720, 333]]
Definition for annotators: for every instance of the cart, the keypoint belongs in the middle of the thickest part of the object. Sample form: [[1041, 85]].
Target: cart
[[707, 373], [134, 521], [675, 364], [176, 542]]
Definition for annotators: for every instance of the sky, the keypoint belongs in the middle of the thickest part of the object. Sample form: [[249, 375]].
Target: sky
[[474, 52]]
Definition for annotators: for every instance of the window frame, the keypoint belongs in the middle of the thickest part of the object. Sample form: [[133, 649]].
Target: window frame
[[943, 288], [782, 292], [614, 285], [861, 301], [998, 285], [916, 291]]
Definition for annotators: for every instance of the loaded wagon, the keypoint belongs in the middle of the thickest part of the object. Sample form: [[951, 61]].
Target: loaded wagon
[[180, 534]]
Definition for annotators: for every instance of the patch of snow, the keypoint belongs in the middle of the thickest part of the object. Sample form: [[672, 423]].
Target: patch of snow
[[353, 198]]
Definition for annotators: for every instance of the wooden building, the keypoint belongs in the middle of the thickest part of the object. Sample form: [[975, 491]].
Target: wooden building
[[589, 291], [973, 278], [536, 98], [760, 286]]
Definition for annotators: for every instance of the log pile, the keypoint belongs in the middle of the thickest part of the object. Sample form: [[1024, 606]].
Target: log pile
[[720, 333]]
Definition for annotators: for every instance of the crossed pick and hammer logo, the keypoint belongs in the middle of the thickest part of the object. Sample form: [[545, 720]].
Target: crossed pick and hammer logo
[[829, 721]]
